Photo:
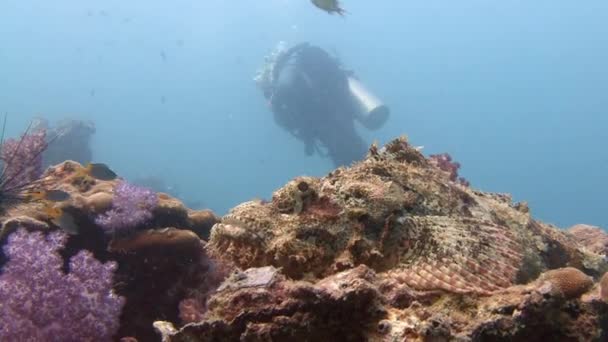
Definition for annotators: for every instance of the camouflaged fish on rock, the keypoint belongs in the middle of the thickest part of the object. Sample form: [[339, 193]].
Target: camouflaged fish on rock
[[399, 214]]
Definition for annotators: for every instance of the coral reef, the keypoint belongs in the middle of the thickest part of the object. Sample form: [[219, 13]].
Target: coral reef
[[266, 306], [394, 248], [404, 217], [158, 264], [260, 304]]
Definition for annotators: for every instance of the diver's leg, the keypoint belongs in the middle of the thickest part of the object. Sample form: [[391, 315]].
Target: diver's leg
[[344, 146]]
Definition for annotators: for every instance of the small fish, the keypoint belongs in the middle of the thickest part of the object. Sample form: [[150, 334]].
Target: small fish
[[49, 195], [329, 6], [101, 171], [177, 238], [98, 171], [62, 219], [163, 55]]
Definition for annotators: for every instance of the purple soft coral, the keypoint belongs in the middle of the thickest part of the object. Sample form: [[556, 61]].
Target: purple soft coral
[[22, 159], [39, 302], [131, 206]]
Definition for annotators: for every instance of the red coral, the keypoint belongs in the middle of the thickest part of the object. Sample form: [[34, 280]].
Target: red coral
[[445, 163]]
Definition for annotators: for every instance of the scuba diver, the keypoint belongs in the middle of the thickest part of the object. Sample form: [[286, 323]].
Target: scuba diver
[[317, 101]]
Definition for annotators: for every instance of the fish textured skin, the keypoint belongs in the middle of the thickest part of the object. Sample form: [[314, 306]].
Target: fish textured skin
[[400, 215]]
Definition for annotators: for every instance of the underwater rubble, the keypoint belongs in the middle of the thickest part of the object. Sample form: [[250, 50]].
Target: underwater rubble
[[393, 248]]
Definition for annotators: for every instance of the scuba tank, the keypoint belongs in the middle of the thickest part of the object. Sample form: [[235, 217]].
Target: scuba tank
[[370, 111]]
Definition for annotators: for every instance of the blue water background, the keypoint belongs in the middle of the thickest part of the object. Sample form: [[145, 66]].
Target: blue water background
[[516, 91]]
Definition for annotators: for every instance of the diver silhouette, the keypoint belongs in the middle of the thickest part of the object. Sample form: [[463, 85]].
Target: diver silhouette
[[317, 101]]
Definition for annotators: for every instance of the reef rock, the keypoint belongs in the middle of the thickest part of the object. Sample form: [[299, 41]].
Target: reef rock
[[391, 249], [593, 238]]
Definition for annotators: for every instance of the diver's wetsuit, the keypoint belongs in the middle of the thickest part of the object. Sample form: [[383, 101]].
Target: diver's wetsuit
[[311, 100]]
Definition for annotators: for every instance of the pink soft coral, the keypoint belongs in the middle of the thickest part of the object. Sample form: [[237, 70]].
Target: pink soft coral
[[444, 162]]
